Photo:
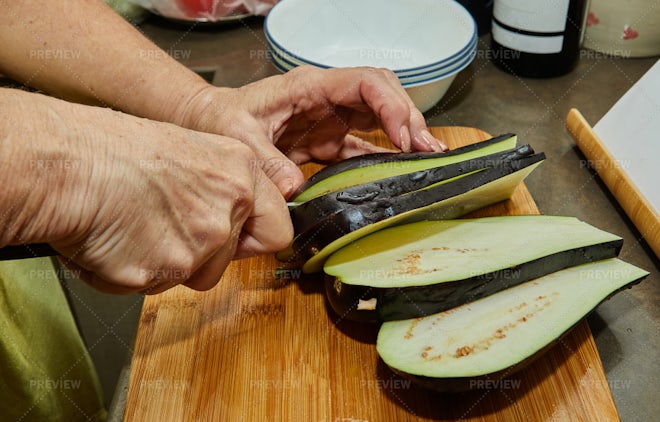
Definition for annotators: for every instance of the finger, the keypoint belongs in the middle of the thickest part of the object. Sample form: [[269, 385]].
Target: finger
[[269, 228], [104, 286], [412, 132], [382, 91], [366, 86], [421, 138], [280, 169], [354, 146], [210, 273], [328, 150], [94, 280]]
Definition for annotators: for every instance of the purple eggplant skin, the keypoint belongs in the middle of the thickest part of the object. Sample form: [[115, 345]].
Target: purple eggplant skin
[[420, 301], [349, 219], [388, 157], [308, 214]]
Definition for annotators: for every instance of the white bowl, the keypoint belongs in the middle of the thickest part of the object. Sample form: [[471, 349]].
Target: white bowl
[[289, 60], [424, 93], [403, 36], [439, 67], [424, 42]]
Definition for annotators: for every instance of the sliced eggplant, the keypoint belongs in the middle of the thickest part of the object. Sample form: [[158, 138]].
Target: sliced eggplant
[[445, 201], [309, 213], [423, 268], [496, 336], [369, 167]]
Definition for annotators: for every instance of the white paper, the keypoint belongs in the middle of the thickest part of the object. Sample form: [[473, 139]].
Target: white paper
[[630, 130]]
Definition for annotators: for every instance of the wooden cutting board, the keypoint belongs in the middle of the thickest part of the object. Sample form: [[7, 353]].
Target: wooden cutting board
[[263, 346]]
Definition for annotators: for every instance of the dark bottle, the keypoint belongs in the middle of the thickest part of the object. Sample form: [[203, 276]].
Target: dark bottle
[[537, 38], [481, 11]]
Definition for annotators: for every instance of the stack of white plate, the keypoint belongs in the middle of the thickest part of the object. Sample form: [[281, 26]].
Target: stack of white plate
[[424, 42]]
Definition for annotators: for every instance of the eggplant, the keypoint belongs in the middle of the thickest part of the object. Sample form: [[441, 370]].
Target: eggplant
[[498, 335], [423, 268], [308, 214], [369, 167], [444, 201]]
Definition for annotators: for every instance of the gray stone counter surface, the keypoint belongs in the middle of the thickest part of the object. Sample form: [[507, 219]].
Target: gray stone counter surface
[[482, 96]]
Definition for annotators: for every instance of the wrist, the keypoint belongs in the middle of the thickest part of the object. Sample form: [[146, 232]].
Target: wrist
[[205, 110], [43, 169]]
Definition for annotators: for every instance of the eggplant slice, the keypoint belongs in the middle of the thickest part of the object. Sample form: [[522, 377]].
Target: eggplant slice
[[370, 167], [423, 268], [437, 202], [308, 214], [500, 334]]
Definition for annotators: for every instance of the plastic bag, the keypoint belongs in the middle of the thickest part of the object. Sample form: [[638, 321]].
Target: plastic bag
[[206, 10]]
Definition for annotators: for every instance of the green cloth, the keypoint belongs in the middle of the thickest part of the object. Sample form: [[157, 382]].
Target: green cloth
[[46, 373], [130, 11]]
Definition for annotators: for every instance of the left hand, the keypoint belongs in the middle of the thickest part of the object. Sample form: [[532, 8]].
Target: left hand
[[307, 113]]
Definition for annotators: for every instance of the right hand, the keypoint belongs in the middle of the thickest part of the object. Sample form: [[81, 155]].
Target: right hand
[[152, 205], [306, 114]]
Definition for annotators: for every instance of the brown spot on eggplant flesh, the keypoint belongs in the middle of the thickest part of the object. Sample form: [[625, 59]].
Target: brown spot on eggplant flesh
[[463, 351], [418, 301], [556, 294]]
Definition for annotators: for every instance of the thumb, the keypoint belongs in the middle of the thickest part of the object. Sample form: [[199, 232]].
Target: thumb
[[283, 172]]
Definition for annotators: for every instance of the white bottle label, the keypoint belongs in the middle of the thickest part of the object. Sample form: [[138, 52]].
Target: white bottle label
[[542, 23]]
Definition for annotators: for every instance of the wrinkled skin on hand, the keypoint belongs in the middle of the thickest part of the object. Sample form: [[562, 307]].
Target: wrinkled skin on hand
[[147, 205], [307, 113]]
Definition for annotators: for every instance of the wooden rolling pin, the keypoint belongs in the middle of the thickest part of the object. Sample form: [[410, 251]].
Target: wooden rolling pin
[[638, 209]]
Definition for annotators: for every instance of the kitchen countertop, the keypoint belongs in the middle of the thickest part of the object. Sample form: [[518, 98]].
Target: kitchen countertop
[[625, 328]]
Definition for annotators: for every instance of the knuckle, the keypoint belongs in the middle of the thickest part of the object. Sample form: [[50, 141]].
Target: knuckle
[[243, 201], [143, 278], [275, 166], [242, 152], [388, 73], [181, 265], [305, 68], [174, 267], [284, 240], [220, 234], [242, 184]]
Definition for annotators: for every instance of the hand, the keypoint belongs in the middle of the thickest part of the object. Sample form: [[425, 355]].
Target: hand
[[306, 114], [143, 206]]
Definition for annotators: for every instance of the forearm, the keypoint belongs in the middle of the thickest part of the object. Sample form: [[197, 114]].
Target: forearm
[[40, 165], [83, 51]]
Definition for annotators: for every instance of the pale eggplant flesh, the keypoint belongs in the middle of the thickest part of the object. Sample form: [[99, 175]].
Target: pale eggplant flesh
[[444, 201], [422, 268], [369, 167], [496, 336]]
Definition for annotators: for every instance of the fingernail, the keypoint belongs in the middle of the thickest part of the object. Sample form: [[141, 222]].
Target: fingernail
[[435, 144], [430, 145], [286, 187], [404, 138]]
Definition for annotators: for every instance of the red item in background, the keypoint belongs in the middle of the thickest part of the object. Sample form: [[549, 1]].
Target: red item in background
[[629, 33], [206, 8]]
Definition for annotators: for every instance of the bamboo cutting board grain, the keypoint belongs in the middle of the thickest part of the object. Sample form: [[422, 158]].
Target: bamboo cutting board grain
[[613, 174], [264, 347]]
